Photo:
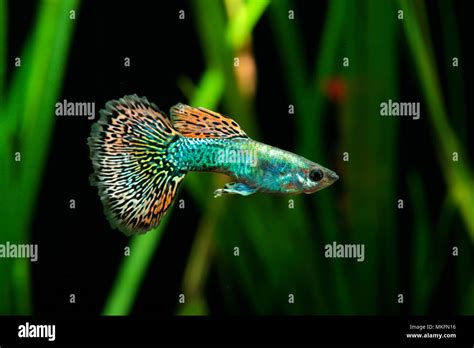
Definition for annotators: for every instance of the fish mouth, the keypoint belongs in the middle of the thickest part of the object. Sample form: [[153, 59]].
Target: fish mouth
[[333, 176]]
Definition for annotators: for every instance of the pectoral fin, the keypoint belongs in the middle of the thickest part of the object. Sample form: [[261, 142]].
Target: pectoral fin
[[235, 188]]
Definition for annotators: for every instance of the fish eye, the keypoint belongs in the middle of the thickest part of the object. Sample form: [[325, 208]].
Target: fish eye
[[316, 175]]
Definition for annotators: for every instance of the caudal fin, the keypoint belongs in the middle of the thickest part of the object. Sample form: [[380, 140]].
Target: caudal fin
[[137, 180]]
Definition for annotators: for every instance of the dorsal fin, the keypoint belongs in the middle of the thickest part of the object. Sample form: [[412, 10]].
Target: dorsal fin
[[202, 123]]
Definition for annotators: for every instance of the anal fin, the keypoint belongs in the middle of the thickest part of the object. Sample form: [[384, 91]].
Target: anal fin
[[235, 188]]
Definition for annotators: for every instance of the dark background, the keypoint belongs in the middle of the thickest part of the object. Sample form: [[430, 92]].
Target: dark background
[[79, 252]]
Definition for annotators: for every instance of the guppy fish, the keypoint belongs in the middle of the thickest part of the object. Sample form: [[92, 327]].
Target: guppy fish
[[140, 156]]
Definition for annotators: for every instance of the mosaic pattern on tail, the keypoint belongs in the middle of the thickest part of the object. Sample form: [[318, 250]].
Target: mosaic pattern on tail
[[140, 156], [135, 178]]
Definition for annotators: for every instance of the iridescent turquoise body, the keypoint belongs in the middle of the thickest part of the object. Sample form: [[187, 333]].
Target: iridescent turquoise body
[[260, 166]]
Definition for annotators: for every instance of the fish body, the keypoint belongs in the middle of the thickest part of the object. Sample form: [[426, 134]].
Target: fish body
[[265, 167], [140, 156]]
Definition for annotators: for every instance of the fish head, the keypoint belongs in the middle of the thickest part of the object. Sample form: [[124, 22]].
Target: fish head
[[314, 177]]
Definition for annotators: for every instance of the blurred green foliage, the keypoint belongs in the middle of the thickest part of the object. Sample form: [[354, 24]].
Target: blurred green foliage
[[25, 129], [286, 257], [281, 249]]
